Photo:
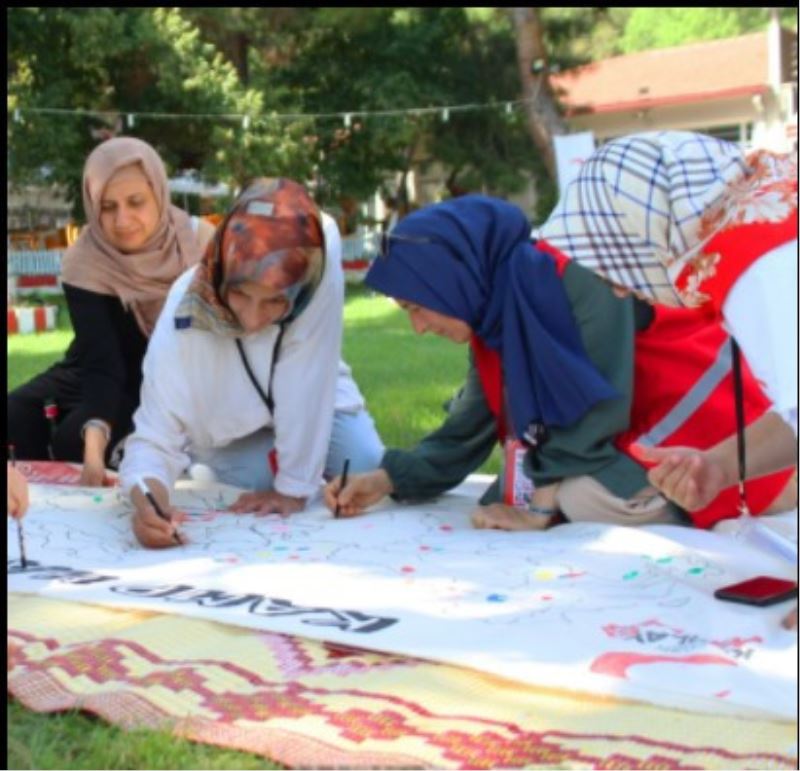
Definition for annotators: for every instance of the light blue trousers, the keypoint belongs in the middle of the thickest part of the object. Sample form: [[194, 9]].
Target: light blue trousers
[[243, 463]]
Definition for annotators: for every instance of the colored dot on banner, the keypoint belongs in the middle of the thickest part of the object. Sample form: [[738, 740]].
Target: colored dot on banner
[[406, 569], [424, 548], [446, 528], [664, 560], [98, 499], [631, 575], [544, 575], [496, 598], [695, 571], [281, 548]]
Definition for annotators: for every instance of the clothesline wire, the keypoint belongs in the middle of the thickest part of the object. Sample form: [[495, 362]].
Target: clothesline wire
[[346, 116]]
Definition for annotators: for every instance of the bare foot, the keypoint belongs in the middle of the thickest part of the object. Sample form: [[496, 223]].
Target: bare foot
[[498, 516]]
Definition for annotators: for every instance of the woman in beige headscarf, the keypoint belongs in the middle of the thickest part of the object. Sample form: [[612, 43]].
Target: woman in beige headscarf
[[115, 279]]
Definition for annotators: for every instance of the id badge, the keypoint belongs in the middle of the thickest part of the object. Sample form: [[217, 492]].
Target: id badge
[[517, 486]]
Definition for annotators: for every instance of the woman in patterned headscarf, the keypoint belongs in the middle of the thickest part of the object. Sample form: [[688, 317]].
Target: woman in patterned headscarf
[[243, 373], [685, 219], [115, 279]]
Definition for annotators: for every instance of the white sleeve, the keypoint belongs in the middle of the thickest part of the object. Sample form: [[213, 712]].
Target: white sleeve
[[157, 446], [306, 374], [760, 311]]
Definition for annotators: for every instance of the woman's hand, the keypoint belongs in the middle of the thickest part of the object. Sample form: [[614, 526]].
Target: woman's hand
[[151, 530], [267, 502], [17, 493], [690, 477], [93, 475], [95, 441], [361, 491]]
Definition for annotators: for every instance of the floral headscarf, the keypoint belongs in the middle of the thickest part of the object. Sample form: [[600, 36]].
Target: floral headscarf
[[272, 236]]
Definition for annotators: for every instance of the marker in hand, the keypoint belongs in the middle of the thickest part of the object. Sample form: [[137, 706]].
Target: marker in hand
[[158, 510], [341, 486]]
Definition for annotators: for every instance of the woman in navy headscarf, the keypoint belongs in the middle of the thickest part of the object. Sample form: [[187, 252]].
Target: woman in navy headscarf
[[551, 372], [551, 360]]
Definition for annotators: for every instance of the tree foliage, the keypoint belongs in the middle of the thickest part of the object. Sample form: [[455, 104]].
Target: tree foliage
[[662, 27], [273, 63]]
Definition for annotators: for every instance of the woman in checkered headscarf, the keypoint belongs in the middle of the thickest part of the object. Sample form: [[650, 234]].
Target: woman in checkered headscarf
[[684, 219]]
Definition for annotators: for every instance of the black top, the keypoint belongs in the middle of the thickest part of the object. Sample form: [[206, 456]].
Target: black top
[[106, 353]]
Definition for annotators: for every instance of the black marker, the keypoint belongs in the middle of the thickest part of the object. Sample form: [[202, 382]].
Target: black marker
[[158, 510], [341, 486], [20, 535]]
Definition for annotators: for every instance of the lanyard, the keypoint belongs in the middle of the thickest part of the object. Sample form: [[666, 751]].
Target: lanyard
[[744, 510], [276, 352]]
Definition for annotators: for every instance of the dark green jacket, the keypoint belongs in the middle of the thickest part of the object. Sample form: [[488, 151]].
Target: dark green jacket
[[444, 458]]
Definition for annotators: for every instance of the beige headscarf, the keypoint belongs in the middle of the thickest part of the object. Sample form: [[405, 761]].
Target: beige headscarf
[[140, 279]]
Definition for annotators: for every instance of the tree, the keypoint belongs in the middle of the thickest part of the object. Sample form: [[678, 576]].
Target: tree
[[661, 27], [133, 60], [544, 118]]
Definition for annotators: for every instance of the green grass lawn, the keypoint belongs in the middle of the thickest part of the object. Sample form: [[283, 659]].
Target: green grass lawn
[[406, 379]]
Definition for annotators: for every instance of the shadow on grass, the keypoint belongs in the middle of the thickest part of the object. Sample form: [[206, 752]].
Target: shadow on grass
[[25, 365]]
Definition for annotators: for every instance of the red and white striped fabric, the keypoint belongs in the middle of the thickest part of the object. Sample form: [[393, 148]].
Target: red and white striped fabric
[[25, 320]]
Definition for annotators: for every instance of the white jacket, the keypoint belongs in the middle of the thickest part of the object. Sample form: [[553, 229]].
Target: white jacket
[[196, 392]]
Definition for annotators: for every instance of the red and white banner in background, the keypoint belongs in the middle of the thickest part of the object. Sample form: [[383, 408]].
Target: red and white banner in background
[[24, 320]]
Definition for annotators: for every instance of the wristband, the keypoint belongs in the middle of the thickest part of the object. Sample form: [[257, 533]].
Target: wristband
[[542, 511], [97, 423]]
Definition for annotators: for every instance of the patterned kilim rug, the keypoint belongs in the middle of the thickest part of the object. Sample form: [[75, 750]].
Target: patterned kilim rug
[[312, 704]]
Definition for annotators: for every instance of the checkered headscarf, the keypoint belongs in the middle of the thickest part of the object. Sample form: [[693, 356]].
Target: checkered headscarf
[[634, 213]]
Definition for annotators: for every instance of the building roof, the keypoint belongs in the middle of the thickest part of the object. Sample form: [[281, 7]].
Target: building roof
[[700, 71]]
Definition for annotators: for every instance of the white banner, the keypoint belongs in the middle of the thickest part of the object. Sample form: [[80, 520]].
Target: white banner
[[582, 607]]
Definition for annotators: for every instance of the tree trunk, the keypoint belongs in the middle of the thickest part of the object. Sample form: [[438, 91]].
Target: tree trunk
[[543, 118]]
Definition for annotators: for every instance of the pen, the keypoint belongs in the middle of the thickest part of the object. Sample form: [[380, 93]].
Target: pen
[[158, 510], [342, 486], [20, 535]]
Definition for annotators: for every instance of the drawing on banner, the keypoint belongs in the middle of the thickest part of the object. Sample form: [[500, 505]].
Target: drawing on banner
[[616, 609]]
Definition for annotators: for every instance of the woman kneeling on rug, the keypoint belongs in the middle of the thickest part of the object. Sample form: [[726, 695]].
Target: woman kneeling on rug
[[555, 355], [243, 375]]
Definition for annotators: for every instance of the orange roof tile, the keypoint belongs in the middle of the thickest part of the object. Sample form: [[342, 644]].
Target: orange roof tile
[[717, 68]]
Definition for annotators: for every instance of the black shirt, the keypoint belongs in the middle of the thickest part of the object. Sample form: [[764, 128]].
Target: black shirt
[[106, 353]]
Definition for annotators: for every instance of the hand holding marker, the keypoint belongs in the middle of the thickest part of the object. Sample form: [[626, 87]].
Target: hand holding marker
[[158, 510], [341, 487]]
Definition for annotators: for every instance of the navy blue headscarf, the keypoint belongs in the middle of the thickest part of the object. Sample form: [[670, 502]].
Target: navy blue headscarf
[[476, 263]]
